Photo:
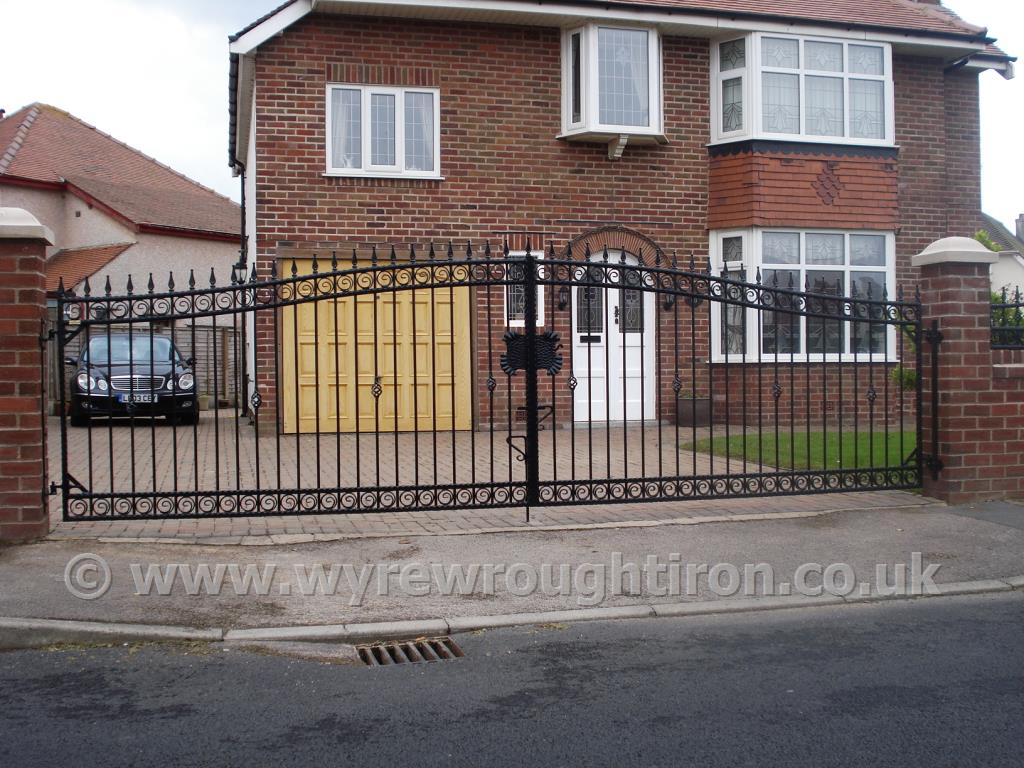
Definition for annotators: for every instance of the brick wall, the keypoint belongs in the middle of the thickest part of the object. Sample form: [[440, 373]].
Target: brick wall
[[23, 514], [803, 189]]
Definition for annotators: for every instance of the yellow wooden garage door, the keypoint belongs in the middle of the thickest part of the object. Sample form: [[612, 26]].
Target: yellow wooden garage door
[[345, 346]]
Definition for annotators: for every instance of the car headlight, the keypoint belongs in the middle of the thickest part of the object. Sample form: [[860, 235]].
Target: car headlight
[[86, 383], [186, 381], [101, 384]]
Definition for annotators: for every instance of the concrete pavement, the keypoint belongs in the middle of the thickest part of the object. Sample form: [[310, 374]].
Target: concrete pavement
[[967, 544]]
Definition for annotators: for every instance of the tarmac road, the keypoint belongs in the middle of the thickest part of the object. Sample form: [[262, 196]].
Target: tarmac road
[[937, 682]]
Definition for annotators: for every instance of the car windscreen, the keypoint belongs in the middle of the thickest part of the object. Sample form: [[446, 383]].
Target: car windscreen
[[123, 349]]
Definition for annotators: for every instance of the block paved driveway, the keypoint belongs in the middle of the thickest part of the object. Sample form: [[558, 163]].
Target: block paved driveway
[[224, 453]]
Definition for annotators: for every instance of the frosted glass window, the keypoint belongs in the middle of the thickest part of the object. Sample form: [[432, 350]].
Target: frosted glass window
[[825, 249], [867, 60], [419, 131], [732, 105], [867, 250], [623, 77], [780, 53], [781, 248], [346, 128], [824, 106], [732, 55], [382, 129], [824, 57], [867, 109], [780, 102]]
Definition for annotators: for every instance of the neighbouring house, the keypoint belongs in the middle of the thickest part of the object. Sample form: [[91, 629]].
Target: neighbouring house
[[810, 142], [1008, 272], [114, 213]]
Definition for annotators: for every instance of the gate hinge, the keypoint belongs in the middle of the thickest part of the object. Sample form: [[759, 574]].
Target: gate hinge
[[933, 336], [935, 465]]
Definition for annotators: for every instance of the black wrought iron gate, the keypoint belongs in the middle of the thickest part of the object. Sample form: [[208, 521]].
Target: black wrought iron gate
[[376, 382]]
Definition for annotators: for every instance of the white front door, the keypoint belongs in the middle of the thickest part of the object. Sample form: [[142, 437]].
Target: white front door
[[613, 350]]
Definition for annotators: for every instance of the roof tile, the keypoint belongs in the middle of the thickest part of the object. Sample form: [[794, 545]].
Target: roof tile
[[76, 264]]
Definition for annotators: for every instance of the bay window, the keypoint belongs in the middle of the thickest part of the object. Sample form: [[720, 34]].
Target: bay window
[[857, 265], [611, 81], [383, 131], [803, 89]]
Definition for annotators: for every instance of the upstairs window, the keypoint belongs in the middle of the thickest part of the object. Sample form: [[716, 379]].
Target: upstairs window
[[380, 131], [803, 89], [611, 81]]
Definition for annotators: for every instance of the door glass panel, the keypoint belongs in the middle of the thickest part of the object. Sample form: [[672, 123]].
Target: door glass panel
[[589, 309], [631, 304]]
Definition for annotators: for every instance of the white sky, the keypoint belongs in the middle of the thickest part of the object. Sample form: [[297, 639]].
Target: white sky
[[154, 73]]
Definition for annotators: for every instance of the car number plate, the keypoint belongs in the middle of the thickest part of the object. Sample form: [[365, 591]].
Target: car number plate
[[137, 398]]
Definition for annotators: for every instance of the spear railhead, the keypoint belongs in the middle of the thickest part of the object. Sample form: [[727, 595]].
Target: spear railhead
[[213, 278], [106, 287], [334, 261], [170, 282], [451, 251], [87, 291], [150, 286], [469, 251], [191, 279], [129, 286], [316, 264]]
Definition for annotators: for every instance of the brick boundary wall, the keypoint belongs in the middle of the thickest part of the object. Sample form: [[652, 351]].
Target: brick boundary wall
[[981, 398], [24, 513]]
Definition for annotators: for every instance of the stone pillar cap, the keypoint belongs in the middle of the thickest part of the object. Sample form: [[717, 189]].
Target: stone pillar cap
[[19, 224], [955, 250]]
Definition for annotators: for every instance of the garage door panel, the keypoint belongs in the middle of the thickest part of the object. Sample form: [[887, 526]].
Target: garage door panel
[[406, 341]]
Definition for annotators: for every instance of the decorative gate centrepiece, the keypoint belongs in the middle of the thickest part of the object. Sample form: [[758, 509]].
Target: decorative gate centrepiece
[[472, 378]]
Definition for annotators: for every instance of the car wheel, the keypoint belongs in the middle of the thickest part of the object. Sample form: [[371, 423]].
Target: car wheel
[[188, 418], [78, 419]]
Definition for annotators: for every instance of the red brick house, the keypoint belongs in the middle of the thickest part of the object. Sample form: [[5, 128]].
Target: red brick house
[[808, 142]]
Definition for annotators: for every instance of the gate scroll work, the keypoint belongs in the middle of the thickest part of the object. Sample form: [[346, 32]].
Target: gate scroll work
[[472, 378]]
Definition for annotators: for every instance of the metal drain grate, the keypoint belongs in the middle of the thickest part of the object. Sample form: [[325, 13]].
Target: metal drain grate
[[409, 652]]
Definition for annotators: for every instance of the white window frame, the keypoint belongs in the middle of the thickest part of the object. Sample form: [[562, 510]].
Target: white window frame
[[383, 171], [752, 90], [753, 239], [518, 256], [590, 105]]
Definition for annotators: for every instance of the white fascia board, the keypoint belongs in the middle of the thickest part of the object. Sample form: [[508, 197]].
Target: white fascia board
[[276, 24], [244, 104], [687, 21], [1004, 68]]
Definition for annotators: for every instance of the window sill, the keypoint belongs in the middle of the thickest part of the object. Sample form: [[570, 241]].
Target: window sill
[[605, 135], [862, 358], [366, 175], [788, 139]]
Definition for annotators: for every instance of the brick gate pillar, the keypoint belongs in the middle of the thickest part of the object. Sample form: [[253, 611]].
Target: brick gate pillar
[[23, 501], [980, 422]]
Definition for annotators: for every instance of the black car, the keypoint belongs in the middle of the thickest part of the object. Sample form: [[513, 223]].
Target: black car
[[133, 374]]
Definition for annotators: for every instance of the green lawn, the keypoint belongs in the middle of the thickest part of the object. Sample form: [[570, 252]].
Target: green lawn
[[804, 450]]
